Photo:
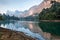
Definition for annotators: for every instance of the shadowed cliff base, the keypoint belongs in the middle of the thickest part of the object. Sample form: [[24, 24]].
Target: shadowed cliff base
[[6, 34]]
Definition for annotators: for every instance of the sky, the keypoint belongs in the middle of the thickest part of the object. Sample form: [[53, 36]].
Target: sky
[[20, 5]]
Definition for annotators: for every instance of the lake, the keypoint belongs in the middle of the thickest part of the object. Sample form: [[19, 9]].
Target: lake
[[29, 28]]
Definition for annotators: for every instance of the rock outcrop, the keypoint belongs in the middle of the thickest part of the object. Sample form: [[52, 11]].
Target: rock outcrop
[[6, 34]]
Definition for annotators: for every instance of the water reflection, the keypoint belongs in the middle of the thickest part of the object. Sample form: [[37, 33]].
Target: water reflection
[[29, 28]]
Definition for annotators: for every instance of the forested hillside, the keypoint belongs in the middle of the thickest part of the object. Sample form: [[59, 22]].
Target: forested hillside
[[52, 13], [7, 17]]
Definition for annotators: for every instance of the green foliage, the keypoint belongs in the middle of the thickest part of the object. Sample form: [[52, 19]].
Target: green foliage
[[7, 17], [1, 18], [51, 13]]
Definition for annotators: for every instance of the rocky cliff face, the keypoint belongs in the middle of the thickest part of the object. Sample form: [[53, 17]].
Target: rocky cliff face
[[38, 8]]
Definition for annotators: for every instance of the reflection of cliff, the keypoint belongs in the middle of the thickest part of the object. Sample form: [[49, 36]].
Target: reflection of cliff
[[48, 36], [35, 28]]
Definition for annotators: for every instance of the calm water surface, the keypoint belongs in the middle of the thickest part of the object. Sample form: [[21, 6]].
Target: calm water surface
[[30, 28]]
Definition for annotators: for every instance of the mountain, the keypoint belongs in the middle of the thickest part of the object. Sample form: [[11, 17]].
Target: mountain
[[52, 13], [33, 10], [38, 8]]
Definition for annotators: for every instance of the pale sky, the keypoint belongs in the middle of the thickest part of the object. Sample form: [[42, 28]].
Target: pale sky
[[20, 5]]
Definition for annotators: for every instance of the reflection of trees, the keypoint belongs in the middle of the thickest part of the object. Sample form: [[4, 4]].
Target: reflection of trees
[[50, 27], [6, 22]]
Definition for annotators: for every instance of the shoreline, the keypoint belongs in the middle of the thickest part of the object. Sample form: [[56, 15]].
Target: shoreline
[[50, 20]]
